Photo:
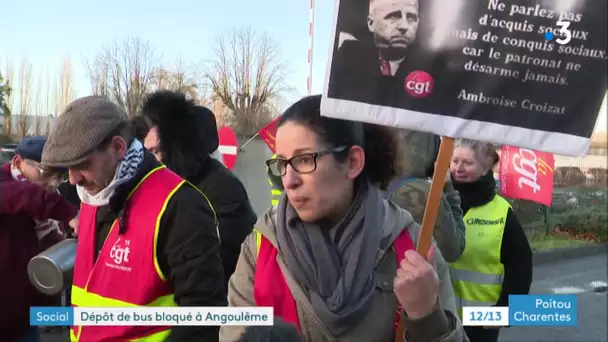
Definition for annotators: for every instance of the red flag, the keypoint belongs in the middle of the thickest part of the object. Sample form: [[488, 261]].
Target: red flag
[[526, 174], [269, 132]]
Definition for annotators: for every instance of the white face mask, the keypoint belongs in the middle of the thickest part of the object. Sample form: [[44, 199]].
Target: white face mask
[[125, 170], [17, 175]]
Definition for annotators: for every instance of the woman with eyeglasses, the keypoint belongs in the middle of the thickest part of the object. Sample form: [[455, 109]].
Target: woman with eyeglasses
[[334, 258]]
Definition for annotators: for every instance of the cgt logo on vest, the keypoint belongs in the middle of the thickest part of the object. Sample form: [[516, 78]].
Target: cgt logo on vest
[[419, 84], [119, 255]]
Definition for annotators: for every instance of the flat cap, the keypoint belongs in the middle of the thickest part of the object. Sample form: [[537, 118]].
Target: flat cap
[[31, 148], [79, 129]]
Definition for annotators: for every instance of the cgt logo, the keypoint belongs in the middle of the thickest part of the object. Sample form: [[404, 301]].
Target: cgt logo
[[120, 252], [419, 84]]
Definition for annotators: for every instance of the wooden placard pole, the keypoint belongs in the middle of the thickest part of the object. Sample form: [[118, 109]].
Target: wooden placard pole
[[446, 148]]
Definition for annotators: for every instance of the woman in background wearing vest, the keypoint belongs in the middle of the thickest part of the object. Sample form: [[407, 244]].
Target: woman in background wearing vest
[[334, 258], [497, 260]]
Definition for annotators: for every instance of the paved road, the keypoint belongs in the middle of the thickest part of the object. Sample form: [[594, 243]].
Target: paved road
[[578, 276]]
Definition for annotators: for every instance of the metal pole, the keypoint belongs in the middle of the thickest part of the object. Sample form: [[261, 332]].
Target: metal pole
[[248, 141], [311, 29]]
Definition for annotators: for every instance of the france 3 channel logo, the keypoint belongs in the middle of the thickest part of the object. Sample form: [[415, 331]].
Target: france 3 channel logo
[[525, 310], [562, 34]]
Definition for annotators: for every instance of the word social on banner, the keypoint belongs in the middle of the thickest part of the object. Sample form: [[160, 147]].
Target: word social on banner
[[229, 146], [526, 174], [525, 310], [526, 73], [156, 316]]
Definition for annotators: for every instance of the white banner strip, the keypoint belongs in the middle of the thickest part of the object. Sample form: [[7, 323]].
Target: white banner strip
[[170, 316], [227, 149]]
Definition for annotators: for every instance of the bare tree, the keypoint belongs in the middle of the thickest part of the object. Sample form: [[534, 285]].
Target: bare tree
[[183, 78], [161, 78], [48, 105], [9, 99], [248, 76], [123, 71], [39, 107], [25, 99], [99, 75], [65, 87]]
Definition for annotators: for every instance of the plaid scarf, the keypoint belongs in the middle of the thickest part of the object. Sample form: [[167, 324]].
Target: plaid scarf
[[43, 228]]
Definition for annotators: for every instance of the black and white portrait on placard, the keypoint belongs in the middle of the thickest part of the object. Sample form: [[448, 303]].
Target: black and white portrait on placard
[[380, 49], [502, 71], [393, 25], [379, 45]]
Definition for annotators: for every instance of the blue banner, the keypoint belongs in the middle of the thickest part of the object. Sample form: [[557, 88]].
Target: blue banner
[[543, 310], [51, 316]]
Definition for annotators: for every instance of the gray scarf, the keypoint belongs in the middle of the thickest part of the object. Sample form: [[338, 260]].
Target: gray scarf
[[335, 266]]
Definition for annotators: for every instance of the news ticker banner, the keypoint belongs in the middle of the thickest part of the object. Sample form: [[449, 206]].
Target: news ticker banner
[[526, 310], [157, 316], [523, 310]]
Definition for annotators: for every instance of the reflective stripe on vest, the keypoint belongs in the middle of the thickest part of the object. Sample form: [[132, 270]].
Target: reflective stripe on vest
[[216, 220], [271, 289], [126, 272], [275, 194], [477, 275]]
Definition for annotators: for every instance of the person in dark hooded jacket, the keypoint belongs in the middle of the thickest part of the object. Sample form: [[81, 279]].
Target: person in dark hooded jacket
[[182, 136]]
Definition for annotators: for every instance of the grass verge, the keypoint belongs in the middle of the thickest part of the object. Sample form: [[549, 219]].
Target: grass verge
[[547, 242]]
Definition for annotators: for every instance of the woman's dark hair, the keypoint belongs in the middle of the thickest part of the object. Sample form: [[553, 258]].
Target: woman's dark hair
[[140, 126], [185, 138], [378, 142], [280, 332]]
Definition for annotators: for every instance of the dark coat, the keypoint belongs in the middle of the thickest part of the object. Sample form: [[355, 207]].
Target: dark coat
[[356, 75], [231, 203]]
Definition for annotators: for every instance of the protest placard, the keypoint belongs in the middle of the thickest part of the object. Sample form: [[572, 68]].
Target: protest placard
[[527, 73]]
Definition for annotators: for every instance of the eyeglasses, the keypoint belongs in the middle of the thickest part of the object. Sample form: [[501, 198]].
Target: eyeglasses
[[302, 163]]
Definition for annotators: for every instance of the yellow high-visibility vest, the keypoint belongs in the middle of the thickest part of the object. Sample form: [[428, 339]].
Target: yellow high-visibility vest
[[478, 274], [275, 193]]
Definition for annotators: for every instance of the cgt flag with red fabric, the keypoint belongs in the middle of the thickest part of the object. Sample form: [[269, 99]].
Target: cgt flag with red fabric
[[526, 174], [269, 132]]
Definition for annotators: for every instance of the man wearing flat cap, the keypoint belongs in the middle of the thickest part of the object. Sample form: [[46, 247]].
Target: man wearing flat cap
[[145, 236], [31, 220]]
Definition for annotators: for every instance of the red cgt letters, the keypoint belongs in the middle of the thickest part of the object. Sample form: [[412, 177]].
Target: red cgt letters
[[526, 174]]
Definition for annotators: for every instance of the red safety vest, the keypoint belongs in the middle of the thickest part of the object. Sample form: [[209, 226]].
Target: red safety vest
[[271, 289], [126, 272]]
